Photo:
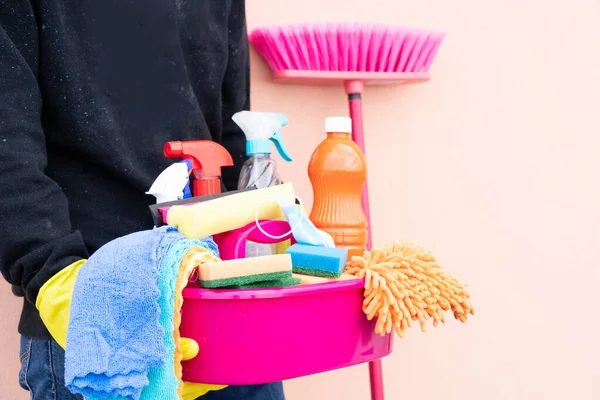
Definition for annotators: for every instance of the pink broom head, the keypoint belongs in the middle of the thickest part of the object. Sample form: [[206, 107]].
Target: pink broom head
[[347, 47]]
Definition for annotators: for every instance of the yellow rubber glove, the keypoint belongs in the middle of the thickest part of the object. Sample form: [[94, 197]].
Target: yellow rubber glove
[[54, 305], [54, 302], [191, 391]]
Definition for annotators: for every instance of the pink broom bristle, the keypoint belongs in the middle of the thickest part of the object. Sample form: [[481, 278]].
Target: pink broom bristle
[[347, 47]]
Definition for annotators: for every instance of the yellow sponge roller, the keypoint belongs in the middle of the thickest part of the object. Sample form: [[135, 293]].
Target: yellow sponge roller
[[229, 212]]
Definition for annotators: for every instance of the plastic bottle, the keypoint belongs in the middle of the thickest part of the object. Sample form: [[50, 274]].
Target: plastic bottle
[[173, 183], [338, 171], [260, 170]]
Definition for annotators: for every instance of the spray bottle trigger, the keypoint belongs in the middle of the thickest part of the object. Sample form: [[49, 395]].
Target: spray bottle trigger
[[278, 140]]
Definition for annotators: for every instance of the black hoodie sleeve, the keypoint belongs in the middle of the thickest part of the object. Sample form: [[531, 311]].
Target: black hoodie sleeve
[[36, 239], [236, 91]]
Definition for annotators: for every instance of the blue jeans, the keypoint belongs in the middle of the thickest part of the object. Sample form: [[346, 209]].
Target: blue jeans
[[43, 375]]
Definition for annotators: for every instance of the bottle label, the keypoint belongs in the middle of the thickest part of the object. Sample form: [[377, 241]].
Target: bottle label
[[259, 249]]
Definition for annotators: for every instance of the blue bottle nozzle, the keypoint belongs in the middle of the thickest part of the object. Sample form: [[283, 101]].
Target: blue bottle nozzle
[[260, 128]]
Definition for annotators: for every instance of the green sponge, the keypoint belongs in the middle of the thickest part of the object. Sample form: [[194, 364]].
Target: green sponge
[[316, 272], [283, 282], [244, 280]]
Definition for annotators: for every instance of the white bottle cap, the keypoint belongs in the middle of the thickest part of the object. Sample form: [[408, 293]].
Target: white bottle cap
[[338, 124]]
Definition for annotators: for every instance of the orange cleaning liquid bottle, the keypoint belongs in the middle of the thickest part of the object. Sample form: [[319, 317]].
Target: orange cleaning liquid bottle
[[338, 171]]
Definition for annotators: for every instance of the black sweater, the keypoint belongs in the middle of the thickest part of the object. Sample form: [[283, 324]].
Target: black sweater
[[90, 90]]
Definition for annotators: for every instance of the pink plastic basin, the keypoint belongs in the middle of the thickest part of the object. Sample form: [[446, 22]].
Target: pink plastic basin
[[258, 336]]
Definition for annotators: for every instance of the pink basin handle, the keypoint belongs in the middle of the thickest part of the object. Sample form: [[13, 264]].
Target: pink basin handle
[[232, 244]]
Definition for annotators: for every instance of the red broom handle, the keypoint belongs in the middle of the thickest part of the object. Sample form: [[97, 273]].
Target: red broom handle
[[354, 90], [376, 378], [358, 136]]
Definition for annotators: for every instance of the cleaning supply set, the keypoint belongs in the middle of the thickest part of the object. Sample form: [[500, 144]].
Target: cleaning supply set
[[229, 307], [267, 215], [268, 295]]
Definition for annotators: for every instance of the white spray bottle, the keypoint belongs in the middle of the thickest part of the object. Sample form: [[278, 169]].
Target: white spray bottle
[[260, 170], [172, 184]]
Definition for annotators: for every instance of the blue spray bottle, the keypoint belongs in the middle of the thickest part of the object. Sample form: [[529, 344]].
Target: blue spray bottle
[[260, 170]]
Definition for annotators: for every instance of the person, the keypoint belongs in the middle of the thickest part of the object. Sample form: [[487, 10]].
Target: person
[[90, 91]]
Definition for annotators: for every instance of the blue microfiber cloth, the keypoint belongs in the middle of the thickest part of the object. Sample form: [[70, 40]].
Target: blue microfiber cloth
[[163, 382], [120, 337]]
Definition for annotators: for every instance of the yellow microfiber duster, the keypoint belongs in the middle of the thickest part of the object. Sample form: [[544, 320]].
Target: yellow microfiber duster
[[405, 283]]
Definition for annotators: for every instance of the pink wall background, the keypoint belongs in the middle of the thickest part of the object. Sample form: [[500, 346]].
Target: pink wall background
[[494, 166]]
